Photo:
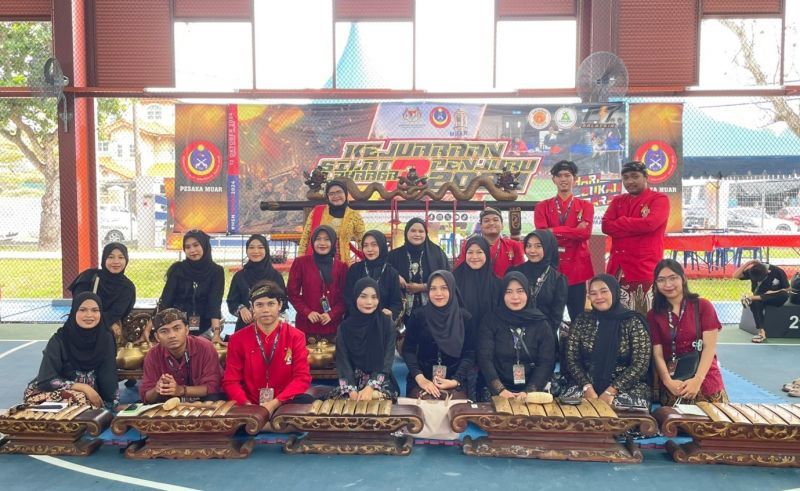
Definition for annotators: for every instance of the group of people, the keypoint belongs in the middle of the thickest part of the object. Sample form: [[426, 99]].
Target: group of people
[[493, 326]]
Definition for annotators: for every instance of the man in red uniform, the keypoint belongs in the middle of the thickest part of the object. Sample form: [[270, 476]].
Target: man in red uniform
[[636, 223], [570, 220], [504, 252], [267, 361]]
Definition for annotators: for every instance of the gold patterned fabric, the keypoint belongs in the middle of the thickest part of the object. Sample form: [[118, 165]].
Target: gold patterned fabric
[[348, 228], [633, 356], [668, 399]]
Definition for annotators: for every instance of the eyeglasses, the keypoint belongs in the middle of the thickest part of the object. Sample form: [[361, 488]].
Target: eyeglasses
[[663, 280]]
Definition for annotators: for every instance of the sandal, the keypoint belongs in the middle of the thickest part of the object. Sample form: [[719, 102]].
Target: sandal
[[795, 392], [760, 337], [794, 384]]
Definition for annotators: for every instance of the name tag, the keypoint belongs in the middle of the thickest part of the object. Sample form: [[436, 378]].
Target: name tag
[[562, 249], [265, 395], [440, 371], [519, 373], [194, 322]]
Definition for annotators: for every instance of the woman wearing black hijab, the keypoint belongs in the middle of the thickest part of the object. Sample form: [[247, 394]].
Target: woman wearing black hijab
[[516, 347], [375, 251], [257, 268], [439, 349], [316, 287], [335, 213], [195, 286], [475, 280], [608, 349], [365, 348], [548, 285], [415, 261], [109, 282], [79, 362]]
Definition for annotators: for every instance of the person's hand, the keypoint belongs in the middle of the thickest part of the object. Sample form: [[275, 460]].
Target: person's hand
[[428, 386], [522, 396], [606, 397], [507, 394], [246, 315], [365, 394], [94, 398], [444, 384], [315, 317], [582, 225], [691, 388], [675, 387], [353, 396], [272, 406], [403, 283], [169, 387], [325, 318], [387, 312], [589, 393], [117, 330], [217, 339], [415, 287]]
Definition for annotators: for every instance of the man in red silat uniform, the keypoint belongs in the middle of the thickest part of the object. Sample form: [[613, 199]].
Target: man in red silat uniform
[[267, 361], [505, 252], [570, 220], [636, 223]]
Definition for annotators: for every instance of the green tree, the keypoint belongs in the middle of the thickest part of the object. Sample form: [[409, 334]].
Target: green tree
[[30, 123]]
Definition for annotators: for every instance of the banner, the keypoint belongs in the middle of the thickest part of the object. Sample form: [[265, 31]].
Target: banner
[[270, 146], [656, 138]]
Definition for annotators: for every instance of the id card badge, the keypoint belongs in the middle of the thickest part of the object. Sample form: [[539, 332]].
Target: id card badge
[[265, 395], [519, 373], [439, 371], [671, 366], [194, 322], [326, 306]]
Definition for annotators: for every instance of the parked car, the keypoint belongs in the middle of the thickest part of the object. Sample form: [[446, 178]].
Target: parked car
[[115, 224], [747, 218], [791, 213]]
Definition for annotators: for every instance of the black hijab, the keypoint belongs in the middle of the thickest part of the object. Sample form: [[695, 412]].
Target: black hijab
[[518, 318], [113, 287], [198, 270], [478, 287], [255, 271], [606, 342], [325, 263], [86, 348], [375, 266], [433, 258], [447, 323], [333, 210], [365, 334], [532, 270]]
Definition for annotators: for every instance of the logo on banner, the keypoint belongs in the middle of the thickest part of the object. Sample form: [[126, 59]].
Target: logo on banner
[[460, 124], [659, 158], [412, 115], [566, 117], [201, 162], [440, 117], [539, 118]]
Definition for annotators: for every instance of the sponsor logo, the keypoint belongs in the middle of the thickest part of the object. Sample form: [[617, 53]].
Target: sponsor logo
[[412, 115], [565, 117], [539, 118], [659, 158], [201, 162], [440, 117]]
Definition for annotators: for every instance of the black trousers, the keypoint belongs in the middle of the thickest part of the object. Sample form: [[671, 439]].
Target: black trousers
[[576, 300], [759, 307]]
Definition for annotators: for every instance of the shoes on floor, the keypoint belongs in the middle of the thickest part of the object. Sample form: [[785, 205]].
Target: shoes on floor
[[793, 385]]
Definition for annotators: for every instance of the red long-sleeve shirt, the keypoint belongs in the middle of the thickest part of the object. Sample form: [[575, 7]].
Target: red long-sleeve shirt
[[246, 373], [504, 253], [203, 364], [573, 242], [636, 225], [305, 289]]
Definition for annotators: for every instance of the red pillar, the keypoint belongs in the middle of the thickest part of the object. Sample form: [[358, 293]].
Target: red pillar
[[77, 172]]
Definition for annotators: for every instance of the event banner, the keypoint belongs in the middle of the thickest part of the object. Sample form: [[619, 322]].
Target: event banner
[[656, 138], [266, 148]]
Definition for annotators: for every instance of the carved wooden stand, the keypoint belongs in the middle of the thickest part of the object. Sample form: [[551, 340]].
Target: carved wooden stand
[[588, 432], [739, 434], [348, 434], [185, 434], [53, 433]]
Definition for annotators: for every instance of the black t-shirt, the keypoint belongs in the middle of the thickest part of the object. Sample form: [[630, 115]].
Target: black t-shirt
[[776, 280]]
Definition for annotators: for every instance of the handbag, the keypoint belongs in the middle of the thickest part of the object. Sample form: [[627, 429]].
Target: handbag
[[686, 365], [435, 413]]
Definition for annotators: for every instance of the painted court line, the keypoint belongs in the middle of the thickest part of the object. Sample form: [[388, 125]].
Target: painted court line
[[109, 475], [3, 355]]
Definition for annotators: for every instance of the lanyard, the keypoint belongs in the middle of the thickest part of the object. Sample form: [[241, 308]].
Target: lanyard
[[518, 335], [497, 251], [324, 284], [673, 328], [413, 271], [539, 282], [174, 369], [382, 269], [562, 217], [267, 361]]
